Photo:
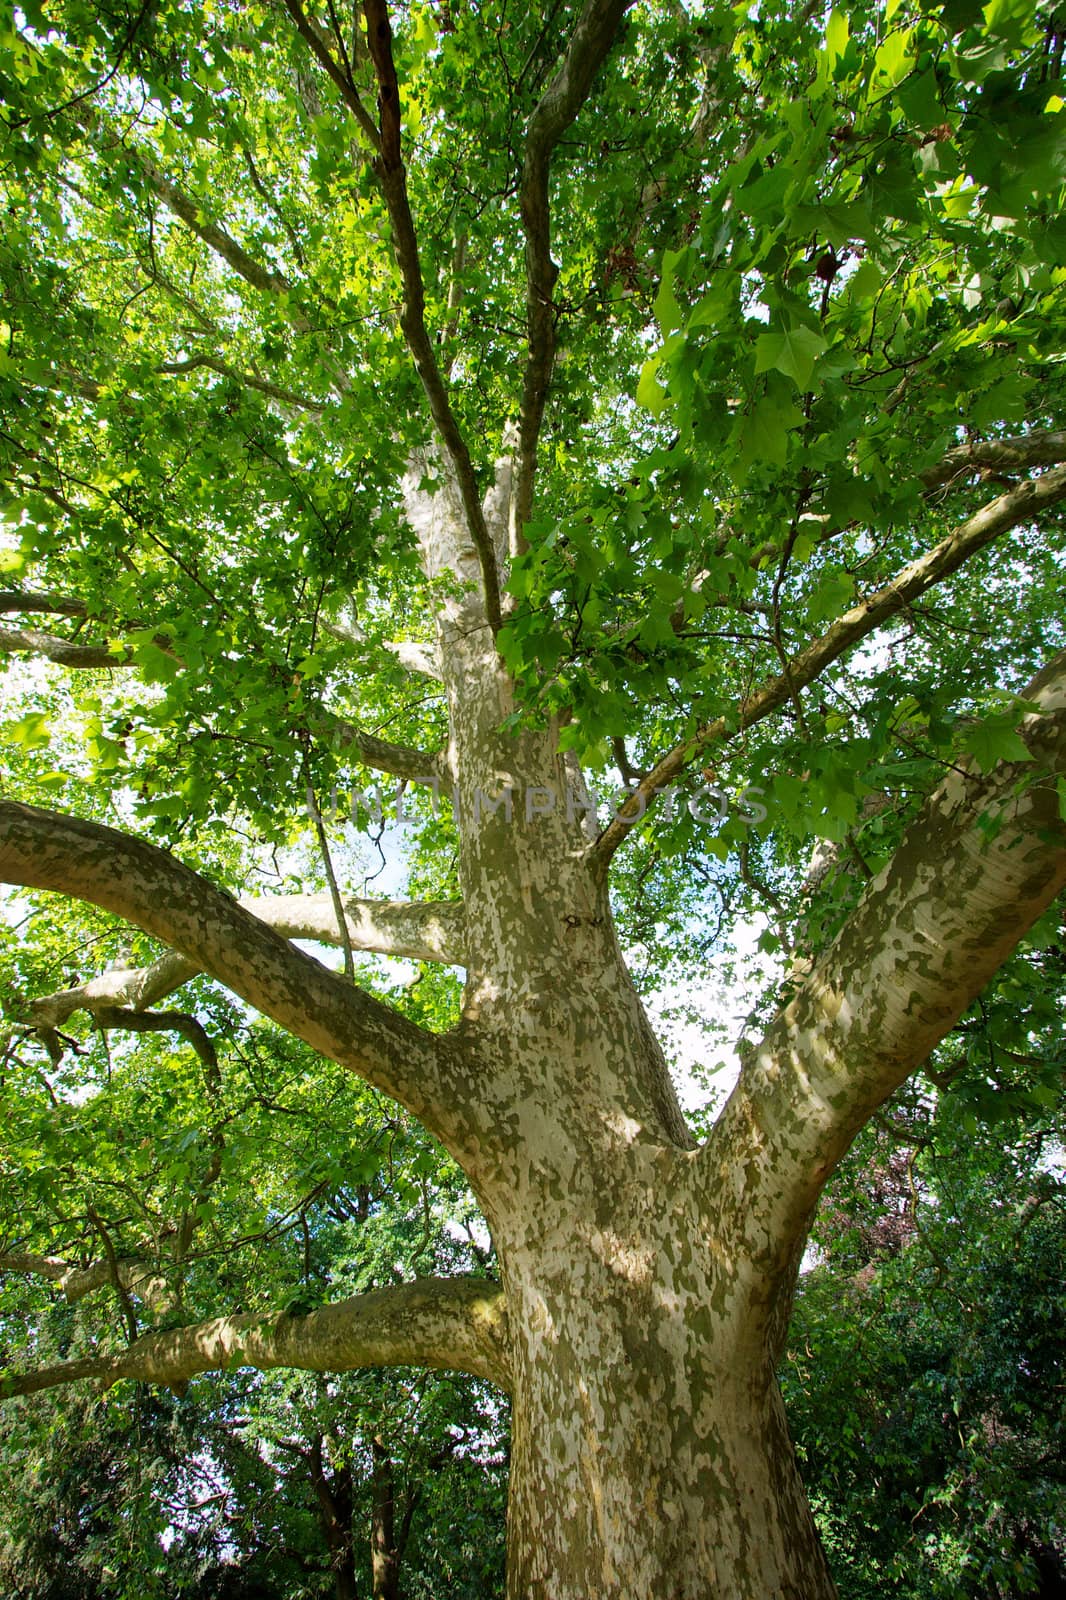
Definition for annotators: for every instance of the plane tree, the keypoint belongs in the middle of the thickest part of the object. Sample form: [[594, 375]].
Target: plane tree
[[506, 408]]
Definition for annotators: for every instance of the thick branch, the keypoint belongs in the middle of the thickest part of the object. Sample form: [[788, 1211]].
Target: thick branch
[[402, 761], [560, 103], [454, 1324], [146, 886], [192, 212], [129, 987], [1041, 448], [421, 658], [414, 930], [137, 1277], [411, 654], [984, 858], [389, 168], [179, 1022], [1020, 504], [70, 652], [419, 930], [64, 652], [25, 601]]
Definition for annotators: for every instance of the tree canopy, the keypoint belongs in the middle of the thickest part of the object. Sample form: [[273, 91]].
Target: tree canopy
[[615, 448]]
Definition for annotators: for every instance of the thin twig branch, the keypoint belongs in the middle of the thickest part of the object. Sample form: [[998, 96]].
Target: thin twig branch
[[341, 78]]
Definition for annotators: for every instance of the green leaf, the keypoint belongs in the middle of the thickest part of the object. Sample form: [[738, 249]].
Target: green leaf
[[995, 739], [792, 351], [156, 666], [893, 61], [837, 34], [29, 732], [763, 433], [650, 392], [668, 313], [833, 595]]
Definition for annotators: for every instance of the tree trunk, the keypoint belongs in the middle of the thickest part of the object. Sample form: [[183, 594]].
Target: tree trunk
[[384, 1556], [650, 1456], [333, 1493], [644, 1469]]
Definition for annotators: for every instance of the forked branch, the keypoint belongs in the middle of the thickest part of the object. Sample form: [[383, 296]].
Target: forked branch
[[388, 165], [146, 886], [334, 70], [138, 1277], [412, 930]]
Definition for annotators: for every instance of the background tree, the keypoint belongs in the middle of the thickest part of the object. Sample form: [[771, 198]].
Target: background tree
[[924, 1374], [483, 399]]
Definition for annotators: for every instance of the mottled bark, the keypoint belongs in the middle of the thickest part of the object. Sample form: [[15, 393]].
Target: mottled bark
[[646, 1283], [650, 1454], [448, 1323], [983, 859]]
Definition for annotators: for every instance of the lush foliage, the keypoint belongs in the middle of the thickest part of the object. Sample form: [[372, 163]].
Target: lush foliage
[[924, 1377], [806, 330], [304, 1187]]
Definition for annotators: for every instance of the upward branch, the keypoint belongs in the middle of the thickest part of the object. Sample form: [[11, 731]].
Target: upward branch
[[146, 886], [560, 103], [983, 859], [192, 213], [342, 79], [1019, 504], [388, 165]]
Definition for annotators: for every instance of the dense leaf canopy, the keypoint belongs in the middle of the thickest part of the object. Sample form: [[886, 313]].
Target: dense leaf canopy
[[762, 309]]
